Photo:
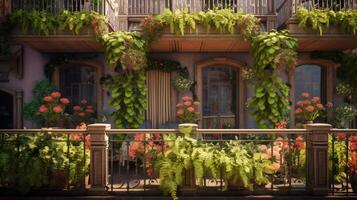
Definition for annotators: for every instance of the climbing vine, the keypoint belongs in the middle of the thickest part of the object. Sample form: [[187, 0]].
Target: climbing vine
[[270, 102]]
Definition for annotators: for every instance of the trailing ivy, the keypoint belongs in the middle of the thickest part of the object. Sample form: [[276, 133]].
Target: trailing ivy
[[270, 102], [126, 49], [128, 98], [43, 23], [318, 19]]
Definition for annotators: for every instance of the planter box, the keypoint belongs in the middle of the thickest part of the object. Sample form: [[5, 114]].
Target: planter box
[[294, 28], [84, 31]]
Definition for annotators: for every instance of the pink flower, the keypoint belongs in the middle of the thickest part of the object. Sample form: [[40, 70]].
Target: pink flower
[[179, 112], [76, 108], [190, 109], [262, 147], [186, 98], [315, 99], [320, 106], [305, 95], [300, 103], [84, 101], [179, 105], [266, 156], [43, 109], [299, 142], [187, 103], [276, 166], [310, 108], [298, 111], [47, 99], [341, 136], [64, 100], [56, 95], [57, 109]]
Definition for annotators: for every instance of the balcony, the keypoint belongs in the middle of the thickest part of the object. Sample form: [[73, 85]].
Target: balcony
[[333, 37], [66, 41]]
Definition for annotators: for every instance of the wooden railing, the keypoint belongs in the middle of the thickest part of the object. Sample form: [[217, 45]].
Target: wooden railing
[[105, 7], [287, 8], [308, 161]]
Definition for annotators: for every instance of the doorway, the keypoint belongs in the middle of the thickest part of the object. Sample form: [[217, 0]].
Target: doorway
[[6, 110]]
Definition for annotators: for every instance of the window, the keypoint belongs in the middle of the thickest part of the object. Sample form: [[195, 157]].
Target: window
[[310, 78], [78, 82]]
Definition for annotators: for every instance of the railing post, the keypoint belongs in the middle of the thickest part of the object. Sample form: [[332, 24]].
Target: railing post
[[98, 157], [317, 158]]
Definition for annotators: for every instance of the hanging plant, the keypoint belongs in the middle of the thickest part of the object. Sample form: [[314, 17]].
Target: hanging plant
[[182, 83]]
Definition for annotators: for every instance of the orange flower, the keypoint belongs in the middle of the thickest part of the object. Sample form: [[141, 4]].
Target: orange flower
[[186, 98], [57, 109], [56, 95], [315, 99], [76, 108], [64, 100], [305, 95], [276, 166], [320, 106], [310, 108], [179, 112], [83, 101], [43, 109], [299, 142], [298, 111], [187, 103], [179, 105], [82, 114], [190, 109], [47, 99]]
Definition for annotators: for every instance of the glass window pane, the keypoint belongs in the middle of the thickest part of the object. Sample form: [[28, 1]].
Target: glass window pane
[[308, 79]]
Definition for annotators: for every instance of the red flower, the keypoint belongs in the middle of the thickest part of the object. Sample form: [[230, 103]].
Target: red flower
[[320, 106], [57, 109], [341, 136], [84, 101], [56, 95], [190, 109], [89, 110], [64, 100], [187, 103], [315, 99], [186, 98], [76, 108], [305, 95], [43, 109], [47, 99], [300, 103], [82, 114], [179, 105], [299, 142], [298, 111], [310, 108]]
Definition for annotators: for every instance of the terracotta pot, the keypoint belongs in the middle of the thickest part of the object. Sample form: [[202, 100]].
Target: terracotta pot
[[59, 180]]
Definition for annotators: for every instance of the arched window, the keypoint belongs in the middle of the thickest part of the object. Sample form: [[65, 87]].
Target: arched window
[[78, 82], [310, 78]]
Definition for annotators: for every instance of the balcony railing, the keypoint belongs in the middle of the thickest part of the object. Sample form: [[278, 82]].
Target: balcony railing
[[316, 159], [149, 7], [104, 7], [287, 8]]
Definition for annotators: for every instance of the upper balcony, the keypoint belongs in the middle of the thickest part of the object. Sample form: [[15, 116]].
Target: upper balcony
[[66, 41]]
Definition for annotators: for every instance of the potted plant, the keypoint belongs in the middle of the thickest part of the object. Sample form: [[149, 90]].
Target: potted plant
[[83, 113], [308, 109], [187, 115], [52, 110]]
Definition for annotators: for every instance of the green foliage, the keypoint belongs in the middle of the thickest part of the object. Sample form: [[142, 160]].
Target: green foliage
[[270, 102], [337, 157], [41, 89], [233, 160], [28, 162], [348, 69], [125, 48], [128, 98], [317, 19], [43, 23], [222, 20]]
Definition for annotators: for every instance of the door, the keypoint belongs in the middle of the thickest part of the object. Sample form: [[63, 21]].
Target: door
[[6, 110], [220, 97]]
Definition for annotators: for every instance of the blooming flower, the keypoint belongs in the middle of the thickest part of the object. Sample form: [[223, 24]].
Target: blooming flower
[[64, 100], [179, 105], [57, 109], [186, 98], [47, 99], [89, 110], [298, 111], [83, 101], [82, 114], [43, 109], [315, 99], [76, 108], [190, 109], [262, 147], [310, 108], [299, 142], [276, 166], [320, 106], [187, 103], [300, 103], [56, 95], [305, 95], [179, 112]]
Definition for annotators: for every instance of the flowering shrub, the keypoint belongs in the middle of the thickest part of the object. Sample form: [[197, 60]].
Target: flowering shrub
[[52, 109], [309, 109], [83, 113], [151, 28], [187, 110]]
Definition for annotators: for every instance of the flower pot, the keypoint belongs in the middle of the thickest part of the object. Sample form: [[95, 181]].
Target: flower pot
[[59, 179], [188, 129]]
